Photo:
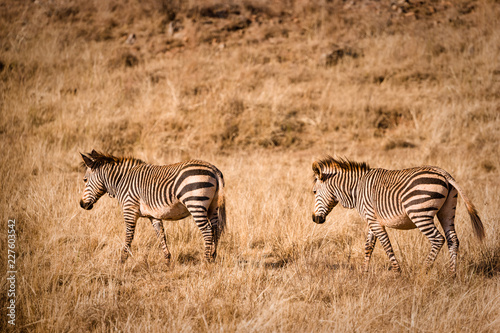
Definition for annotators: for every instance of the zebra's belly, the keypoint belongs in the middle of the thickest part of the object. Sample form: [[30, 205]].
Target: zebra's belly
[[398, 222], [176, 211]]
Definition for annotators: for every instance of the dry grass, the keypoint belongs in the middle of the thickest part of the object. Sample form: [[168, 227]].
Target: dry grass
[[260, 90]]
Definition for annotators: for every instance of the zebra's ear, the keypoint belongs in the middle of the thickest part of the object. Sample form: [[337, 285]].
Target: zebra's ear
[[87, 160], [317, 170]]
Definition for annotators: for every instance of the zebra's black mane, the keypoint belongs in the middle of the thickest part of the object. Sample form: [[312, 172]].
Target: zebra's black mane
[[98, 159], [330, 162]]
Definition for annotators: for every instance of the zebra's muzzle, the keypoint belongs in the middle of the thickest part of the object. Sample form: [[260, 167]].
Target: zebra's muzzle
[[87, 206], [318, 219]]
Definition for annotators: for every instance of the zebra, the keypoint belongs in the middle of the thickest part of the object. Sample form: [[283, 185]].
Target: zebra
[[166, 192], [400, 199]]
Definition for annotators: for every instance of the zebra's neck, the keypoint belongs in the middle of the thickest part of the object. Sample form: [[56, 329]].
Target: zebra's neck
[[349, 199], [113, 174]]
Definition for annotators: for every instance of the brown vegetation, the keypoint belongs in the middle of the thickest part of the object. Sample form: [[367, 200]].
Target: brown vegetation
[[260, 89]]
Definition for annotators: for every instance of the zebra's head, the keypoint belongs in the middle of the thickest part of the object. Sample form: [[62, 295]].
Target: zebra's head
[[94, 180], [324, 198], [335, 180]]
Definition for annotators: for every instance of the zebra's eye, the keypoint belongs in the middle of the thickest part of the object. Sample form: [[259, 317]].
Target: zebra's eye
[[85, 180]]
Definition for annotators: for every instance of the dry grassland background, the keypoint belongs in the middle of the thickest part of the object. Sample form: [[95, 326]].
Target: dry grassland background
[[260, 89]]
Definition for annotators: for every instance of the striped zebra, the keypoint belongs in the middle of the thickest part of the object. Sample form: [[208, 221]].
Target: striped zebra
[[400, 199], [167, 192]]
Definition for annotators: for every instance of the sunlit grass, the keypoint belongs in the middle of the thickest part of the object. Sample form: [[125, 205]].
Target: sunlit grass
[[260, 99]]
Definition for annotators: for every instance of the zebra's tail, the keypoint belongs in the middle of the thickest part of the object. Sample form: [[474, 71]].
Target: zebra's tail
[[477, 225], [221, 206]]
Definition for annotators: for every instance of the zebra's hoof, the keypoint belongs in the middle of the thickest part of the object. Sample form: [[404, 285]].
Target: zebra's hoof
[[210, 259]]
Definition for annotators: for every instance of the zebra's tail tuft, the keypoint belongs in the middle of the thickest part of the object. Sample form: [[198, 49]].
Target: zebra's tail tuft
[[477, 224]]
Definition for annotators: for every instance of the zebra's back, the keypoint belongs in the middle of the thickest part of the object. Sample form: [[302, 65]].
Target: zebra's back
[[397, 197], [167, 191]]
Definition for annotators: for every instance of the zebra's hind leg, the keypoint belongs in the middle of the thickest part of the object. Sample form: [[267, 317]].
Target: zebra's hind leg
[[200, 216], [214, 222], [446, 216], [160, 233], [207, 233], [201, 219], [379, 232], [369, 246], [426, 225]]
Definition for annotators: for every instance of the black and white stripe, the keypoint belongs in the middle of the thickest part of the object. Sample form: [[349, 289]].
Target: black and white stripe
[[167, 192], [400, 199]]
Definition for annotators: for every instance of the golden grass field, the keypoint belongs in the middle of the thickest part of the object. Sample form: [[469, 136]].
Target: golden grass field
[[260, 89]]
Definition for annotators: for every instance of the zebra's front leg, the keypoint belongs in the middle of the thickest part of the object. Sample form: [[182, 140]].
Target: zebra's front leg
[[130, 216], [160, 233], [369, 246], [379, 232]]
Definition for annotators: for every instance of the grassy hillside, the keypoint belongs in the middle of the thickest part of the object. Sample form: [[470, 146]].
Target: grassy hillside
[[260, 89]]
